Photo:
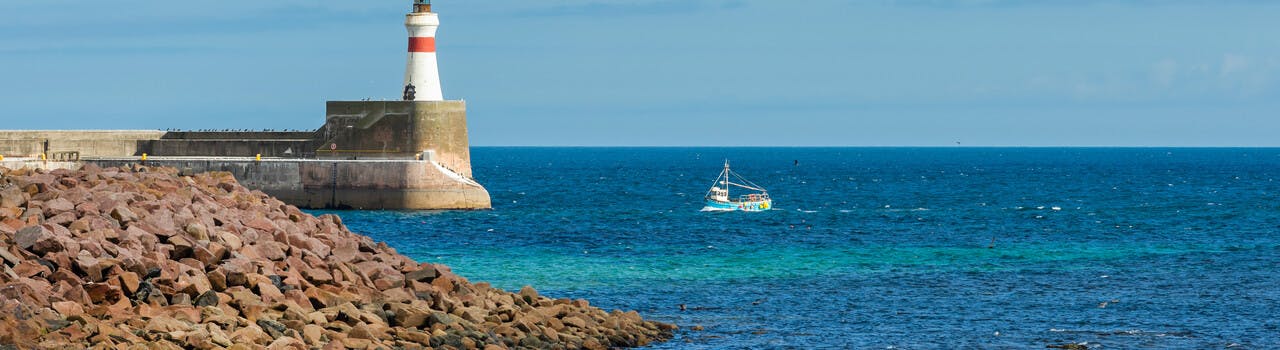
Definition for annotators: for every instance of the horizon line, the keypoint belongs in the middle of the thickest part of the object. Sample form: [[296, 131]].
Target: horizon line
[[864, 146]]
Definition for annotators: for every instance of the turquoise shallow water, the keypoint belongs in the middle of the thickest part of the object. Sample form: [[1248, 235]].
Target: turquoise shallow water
[[883, 247]]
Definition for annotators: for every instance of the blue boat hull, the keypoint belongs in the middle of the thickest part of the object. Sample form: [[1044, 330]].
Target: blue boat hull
[[763, 205]]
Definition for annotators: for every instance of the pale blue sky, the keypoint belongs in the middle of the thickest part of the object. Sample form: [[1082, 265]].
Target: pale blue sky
[[670, 72]]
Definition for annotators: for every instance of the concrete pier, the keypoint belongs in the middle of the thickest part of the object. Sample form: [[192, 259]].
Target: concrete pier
[[368, 155], [341, 184]]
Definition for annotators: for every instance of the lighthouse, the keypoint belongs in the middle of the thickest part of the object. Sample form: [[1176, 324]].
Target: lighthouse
[[421, 77], [410, 153]]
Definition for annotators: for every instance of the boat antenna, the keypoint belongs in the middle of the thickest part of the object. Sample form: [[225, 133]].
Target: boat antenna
[[725, 173]]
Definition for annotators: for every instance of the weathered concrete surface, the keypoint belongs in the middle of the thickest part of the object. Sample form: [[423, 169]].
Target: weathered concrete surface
[[447, 134], [341, 184], [18, 163], [230, 148], [397, 130], [90, 143], [278, 144]]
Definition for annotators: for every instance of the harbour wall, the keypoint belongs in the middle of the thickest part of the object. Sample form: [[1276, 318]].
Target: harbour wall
[[340, 184], [89, 143], [367, 155]]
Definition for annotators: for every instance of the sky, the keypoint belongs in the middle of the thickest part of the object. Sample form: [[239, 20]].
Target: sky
[[670, 72]]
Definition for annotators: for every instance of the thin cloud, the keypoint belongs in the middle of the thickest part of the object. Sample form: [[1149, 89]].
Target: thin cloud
[[100, 50], [1055, 3], [623, 9], [253, 21]]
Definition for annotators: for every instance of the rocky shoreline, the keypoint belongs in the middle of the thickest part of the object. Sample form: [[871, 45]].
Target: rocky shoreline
[[122, 258]]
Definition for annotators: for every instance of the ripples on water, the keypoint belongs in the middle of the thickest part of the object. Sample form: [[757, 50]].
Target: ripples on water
[[883, 248]]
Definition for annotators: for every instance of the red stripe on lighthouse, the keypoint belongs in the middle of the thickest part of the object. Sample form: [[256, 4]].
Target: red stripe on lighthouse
[[417, 44]]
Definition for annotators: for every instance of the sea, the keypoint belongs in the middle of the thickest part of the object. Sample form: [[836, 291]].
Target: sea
[[883, 248]]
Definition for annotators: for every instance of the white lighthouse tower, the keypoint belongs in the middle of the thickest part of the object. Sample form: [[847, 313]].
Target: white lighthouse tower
[[421, 77]]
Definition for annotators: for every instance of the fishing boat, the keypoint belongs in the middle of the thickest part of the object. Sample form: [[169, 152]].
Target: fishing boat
[[718, 198]]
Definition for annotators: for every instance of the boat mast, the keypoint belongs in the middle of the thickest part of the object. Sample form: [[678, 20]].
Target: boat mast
[[725, 173]]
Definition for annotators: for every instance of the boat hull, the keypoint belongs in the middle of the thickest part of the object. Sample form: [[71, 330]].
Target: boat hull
[[763, 205]]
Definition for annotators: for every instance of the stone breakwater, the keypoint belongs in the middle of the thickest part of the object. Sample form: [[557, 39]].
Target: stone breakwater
[[123, 258]]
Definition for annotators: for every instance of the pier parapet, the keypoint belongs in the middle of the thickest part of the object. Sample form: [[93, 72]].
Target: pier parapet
[[397, 130]]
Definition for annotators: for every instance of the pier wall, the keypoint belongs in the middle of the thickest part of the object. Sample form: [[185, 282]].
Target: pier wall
[[367, 155], [89, 143], [339, 184]]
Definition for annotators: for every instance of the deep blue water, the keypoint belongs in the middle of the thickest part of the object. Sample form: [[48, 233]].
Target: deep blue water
[[904, 248]]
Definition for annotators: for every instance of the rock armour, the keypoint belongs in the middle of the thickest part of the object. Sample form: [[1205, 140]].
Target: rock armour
[[124, 258]]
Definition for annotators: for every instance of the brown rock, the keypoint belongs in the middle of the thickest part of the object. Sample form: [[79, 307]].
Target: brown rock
[[269, 292], [218, 280], [160, 222], [103, 294], [313, 334], [10, 226], [398, 295], [252, 334], [261, 224], [231, 240], [182, 248], [68, 308], [506, 331], [210, 254], [166, 325], [27, 268], [37, 239], [87, 208], [269, 250], [32, 216], [10, 212], [92, 267], [63, 219], [574, 321], [593, 344], [123, 215], [411, 316], [80, 225], [414, 336], [444, 283], [422, 275], [284, 343], [323, 297], [180, 299], [12, 197], [551, 334], [357, 343], [129, 281], [197, 231], [361, 331], [317, 275], [58, 206], [208, 298], [185, 313], [198, 338]]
